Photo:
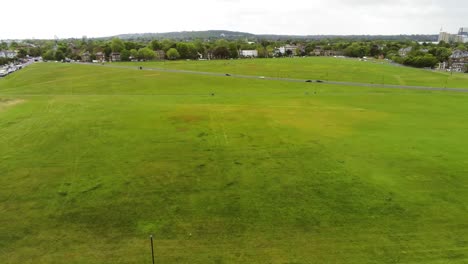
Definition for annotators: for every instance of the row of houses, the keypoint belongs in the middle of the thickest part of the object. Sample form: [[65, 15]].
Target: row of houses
[[293, 50], [10, 54], [458, 61], [115, 56]]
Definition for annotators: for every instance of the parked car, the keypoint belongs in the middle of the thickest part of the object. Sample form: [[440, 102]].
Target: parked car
[[3, 73]]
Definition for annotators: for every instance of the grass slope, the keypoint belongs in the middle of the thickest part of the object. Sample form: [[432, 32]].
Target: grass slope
[[324, 68], [95, 159]]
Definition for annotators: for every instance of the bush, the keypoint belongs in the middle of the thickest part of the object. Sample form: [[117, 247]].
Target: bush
[[172, 54], [428, 60]]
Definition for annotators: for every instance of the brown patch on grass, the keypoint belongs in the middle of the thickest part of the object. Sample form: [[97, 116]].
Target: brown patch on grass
[[4, 103], [330, 121], [187, 118]]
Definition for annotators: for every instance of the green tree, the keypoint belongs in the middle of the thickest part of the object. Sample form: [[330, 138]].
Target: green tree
[[186, 50], [13, 45], [59, 55], [461, 47], [233, 50], [427, 60], [221, 52], [48, 55], [167, 44], [134, 53], [375, 50], [35, 52], [443, 54], [117, 45], [22, 53], [357, 50], [129, 45], [172, 54], [125, 55], [264, 44], [156, 45], [3, 45], [146, 54]]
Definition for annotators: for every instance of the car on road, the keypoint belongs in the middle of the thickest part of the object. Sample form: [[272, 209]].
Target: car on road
[[227, 74], [309, 81], [319, 81], [262, 77]]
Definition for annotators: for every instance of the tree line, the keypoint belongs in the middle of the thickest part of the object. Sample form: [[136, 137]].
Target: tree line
[[420, 55]]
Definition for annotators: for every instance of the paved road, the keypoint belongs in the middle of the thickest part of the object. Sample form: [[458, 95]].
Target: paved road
[[390, 86]]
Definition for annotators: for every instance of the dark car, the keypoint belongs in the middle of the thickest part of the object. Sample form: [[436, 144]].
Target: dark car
[[319, 81], [309, 81], [227, 74]]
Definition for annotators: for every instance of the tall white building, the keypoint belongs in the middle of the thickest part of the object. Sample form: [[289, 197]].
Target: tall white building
[[463, 31], [445, 37], [463, 34], [461, 37]]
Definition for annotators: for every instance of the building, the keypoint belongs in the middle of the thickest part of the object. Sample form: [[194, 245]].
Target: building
[[458, 60], [288, 48], [86, 57], [463, 31], [8, 54], [463, 34], [248, 53], [319, 51], [445, 37], [115, 56], [461, 37], [404, 51], [100, 56], [160, 55]]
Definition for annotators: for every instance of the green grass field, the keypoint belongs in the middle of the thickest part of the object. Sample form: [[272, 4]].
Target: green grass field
[[323, 68], [95, 159]]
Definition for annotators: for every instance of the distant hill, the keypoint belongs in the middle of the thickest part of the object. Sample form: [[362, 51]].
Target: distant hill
[[226, 34], [208, 34]]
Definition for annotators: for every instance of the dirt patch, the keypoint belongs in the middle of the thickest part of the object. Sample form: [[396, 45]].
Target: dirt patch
[[187, 118], [4, 103]]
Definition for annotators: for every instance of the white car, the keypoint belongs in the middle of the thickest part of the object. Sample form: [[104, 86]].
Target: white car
[[3, 73]]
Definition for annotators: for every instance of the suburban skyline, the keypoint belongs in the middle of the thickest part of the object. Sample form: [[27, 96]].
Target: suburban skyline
[[336, 17]]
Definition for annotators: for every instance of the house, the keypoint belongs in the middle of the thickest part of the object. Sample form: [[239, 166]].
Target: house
[[8, 54], [318, 51], [287, 50], [160, 55], [100, 56], [115, 56], [74, 49], [86, 57], [403, 52], [248, 53], [458, 60]]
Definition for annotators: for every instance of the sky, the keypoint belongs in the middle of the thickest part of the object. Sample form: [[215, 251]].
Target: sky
[[94, 18]]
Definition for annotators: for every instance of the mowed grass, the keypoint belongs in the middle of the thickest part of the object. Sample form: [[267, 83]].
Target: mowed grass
[[93, 160], [322, 68]]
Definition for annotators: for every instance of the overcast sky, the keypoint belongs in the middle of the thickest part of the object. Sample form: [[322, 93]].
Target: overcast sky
[[94, 18]]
